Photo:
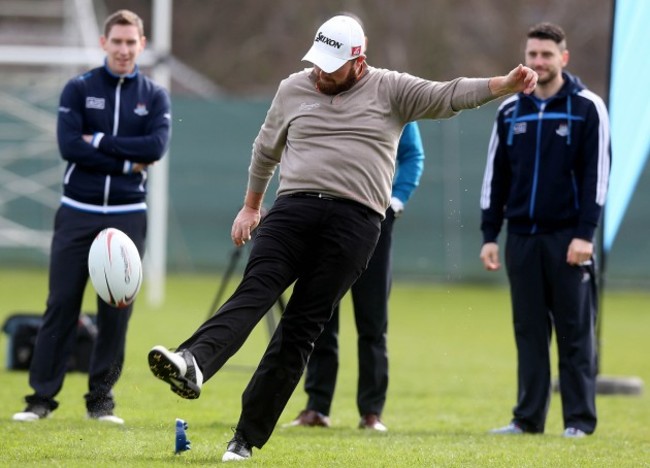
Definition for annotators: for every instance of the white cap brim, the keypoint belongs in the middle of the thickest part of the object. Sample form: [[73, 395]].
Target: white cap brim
[[325, 62]]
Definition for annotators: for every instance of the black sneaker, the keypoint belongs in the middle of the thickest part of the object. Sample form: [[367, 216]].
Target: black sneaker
[[32, 413], [238, 449], [178, 369]]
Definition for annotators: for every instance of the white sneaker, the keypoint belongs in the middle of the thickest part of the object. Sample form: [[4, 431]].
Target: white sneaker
[[179, 369], [26, 416], [574, 433], [32, 413], [510, 429], [238, 449], [231, 456], [110, 418]]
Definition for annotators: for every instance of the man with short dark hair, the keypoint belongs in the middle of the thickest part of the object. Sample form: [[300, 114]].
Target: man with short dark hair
[[113, 123], [547, 173], [334, 128]]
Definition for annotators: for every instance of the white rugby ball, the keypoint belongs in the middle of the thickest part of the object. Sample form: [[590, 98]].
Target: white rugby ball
[[115, 267]]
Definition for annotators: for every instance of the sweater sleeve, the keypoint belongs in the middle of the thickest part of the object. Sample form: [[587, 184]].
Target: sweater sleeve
[[470, 93], [268, 146], [416, 98]]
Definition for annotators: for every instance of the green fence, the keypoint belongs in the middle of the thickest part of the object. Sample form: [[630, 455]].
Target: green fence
[[437, 238]]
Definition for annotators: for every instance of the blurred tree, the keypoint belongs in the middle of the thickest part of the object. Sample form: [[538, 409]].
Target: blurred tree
[[248, 46]]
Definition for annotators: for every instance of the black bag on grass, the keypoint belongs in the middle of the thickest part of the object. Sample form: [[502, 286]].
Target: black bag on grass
[[22, 328]]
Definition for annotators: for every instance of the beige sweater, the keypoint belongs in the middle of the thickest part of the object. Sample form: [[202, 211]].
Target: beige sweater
[[345, 145]]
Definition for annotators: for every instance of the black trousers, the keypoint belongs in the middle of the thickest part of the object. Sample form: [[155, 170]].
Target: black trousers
[[74, 232], [547, 293], [370, 302], [321, 245]]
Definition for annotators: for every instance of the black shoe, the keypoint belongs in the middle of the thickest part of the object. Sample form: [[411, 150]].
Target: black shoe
[[310, 418], [178, 369], [32, 413], [372, 421], [238, 449]]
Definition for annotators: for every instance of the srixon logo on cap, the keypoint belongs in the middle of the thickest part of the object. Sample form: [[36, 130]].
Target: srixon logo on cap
[[328, 41], [356, 50]]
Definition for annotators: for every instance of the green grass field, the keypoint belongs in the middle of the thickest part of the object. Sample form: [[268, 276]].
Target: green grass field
[[452, 379]]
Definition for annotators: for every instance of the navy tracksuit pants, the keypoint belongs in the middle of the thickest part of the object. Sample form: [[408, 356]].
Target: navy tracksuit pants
[[370, 302], [547, 293], [74, 232]]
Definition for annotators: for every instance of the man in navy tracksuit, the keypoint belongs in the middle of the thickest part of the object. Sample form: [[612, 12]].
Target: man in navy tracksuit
[[547, 174], [113, 123]]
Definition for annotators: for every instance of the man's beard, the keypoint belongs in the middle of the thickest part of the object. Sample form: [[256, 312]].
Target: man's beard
[[330, 88], [545, 79]]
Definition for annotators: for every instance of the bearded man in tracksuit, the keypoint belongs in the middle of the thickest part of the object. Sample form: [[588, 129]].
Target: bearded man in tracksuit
[[113, 123], [333, 129], [547, 173]]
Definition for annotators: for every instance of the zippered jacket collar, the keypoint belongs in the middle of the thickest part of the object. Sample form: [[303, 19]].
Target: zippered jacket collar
[[572, 85], [131, 75]]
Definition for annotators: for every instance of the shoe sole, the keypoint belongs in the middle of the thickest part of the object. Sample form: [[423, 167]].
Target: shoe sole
[[27, 416], [164, 368], [301, 424], [232, 456], [112, 419], [376, 428]]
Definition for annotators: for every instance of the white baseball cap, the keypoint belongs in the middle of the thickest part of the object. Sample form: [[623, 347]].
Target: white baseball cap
[[338, 40]]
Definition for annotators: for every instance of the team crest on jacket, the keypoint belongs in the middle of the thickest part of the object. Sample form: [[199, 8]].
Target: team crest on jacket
[[95, 103], [141, 109], [520, 127], [562, 130]]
